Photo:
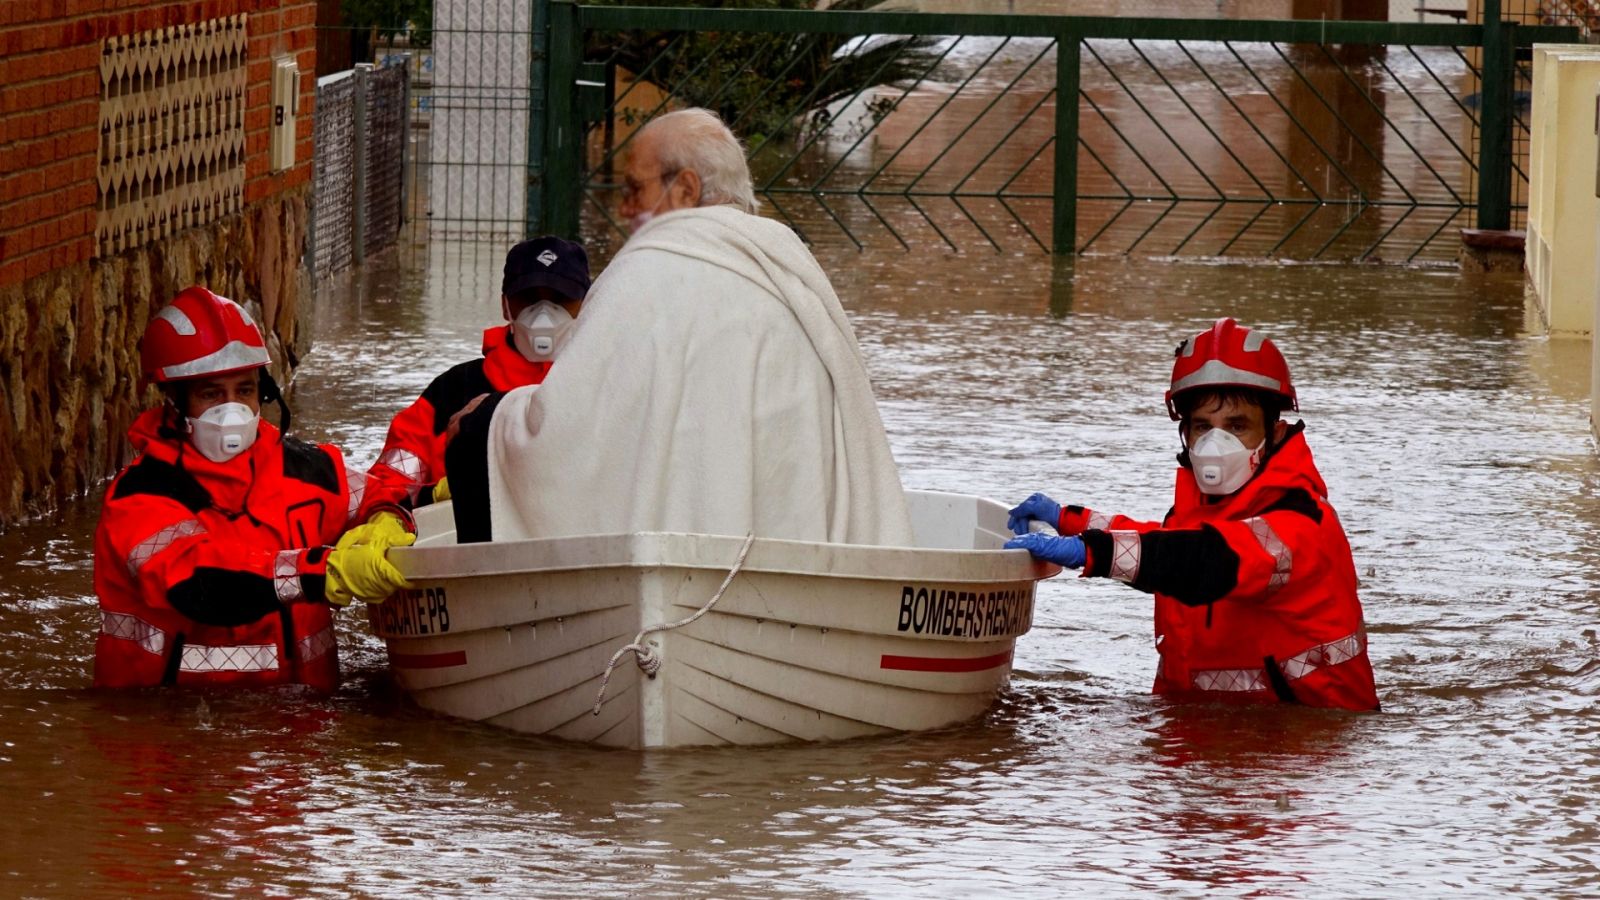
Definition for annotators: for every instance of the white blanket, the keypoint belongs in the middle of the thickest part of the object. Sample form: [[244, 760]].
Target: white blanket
[[713, 385]]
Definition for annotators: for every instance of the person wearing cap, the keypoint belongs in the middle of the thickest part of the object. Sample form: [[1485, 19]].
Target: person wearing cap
[[716, 386], [1254, 583], [215, 558], [542, 291]]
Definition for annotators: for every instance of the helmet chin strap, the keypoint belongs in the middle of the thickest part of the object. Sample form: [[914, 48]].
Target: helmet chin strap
[[271, 393], [173, 425]]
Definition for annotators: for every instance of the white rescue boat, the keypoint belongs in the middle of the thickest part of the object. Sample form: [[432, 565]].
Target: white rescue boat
[[806, 641]]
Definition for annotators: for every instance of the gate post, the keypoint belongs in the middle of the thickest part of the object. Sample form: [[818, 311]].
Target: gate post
[[405, 134], [1494, 133], [358, 227], [563, 144], [1064, 231], [533, 219]]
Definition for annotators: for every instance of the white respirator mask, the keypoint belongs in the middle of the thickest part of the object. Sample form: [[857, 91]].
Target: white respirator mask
[[224, 431], [541, 330], [1222, 463]]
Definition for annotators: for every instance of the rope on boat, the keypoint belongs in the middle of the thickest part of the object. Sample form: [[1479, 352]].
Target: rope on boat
[[644, 654]]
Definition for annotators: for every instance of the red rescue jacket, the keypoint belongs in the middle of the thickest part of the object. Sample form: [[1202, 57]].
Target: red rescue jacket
[[1255, 594], [413, 454], [213, 573]]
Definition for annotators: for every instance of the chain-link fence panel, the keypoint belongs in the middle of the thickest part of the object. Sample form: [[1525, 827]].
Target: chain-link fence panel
[[332, 213], [358, 190], [1316, 140], [385, 155]]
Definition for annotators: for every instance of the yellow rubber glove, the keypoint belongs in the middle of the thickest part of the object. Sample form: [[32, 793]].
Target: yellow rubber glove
[[382, 526], [361, 571], [441, 490]]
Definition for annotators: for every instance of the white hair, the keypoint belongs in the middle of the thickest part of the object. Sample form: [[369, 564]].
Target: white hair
[[696, 140]]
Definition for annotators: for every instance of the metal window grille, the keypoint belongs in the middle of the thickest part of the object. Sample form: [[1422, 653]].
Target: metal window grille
[[171, 131]]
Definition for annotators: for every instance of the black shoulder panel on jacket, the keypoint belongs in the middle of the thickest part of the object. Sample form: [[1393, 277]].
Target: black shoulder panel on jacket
[[305, 461], [1298, 500], [450, 391], [160, 479]]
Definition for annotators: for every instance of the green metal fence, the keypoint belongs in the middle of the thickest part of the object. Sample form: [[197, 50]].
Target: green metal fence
[[1311, 140]]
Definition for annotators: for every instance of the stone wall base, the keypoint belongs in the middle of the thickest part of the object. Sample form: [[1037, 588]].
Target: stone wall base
[[70, 383], [1491, 251]]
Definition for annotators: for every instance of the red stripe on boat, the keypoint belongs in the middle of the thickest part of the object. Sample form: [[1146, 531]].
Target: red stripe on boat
[[428, 660], [944, 663]]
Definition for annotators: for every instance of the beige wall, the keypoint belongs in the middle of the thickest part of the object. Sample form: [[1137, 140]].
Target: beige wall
[[1563, 211]]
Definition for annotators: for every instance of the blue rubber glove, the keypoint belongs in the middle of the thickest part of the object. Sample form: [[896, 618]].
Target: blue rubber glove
[[1038, 507], [1063, 551]]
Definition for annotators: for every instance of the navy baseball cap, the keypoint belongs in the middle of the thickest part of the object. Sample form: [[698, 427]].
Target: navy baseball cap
[[548, 262]]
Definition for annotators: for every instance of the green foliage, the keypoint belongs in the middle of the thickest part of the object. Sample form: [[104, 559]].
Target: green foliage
[[771, 85], [388, 18]]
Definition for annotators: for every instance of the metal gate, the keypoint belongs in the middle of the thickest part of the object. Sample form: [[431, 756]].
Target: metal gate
[[1277, 139], [359, 183]]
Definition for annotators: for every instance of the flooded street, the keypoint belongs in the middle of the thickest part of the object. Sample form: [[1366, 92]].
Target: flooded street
[[1457, 451]]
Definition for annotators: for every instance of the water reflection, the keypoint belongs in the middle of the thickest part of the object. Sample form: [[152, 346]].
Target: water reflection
[[1456, 445]]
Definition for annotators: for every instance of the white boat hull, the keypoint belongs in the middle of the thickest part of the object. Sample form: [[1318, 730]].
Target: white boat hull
[[809, 642]]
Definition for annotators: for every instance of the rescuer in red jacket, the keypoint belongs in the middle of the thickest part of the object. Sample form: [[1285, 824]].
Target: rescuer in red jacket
[[1255, 587], [214, 562], [543, 288]]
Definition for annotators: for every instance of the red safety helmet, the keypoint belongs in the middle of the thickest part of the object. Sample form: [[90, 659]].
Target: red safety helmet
[[1229, 356], [200, 334]]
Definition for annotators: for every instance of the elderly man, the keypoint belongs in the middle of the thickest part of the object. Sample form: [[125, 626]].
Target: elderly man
[[713, 384]]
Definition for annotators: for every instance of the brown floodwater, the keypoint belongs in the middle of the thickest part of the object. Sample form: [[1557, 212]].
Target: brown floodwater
[[1457, 450], [1453, 437]]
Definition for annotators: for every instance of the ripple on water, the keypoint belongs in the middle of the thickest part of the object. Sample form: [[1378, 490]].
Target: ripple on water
[[1456, 448]]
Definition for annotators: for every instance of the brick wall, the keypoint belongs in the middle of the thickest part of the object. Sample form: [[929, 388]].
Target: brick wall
[[49, 112], [69, 319]]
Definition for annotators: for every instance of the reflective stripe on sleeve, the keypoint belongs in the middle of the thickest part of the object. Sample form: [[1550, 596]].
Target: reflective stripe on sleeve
[[133, 628], [286, 576], [160, 541], [406, 463], [241, 658], [1126, 549], [1275, 548], [1097, 521], [358, 491], [317, 644], [1294, 668]]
